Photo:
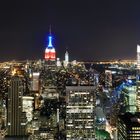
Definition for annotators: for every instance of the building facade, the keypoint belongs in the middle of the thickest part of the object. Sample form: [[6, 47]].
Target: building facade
[[35, 82], [138, 78], [128, 126], [80, 113], [16, 118]]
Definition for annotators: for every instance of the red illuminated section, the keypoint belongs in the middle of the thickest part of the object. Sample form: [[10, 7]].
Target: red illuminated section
[[50, 54]]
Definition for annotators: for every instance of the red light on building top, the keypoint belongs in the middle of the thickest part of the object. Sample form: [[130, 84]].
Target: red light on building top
[[50, 53]]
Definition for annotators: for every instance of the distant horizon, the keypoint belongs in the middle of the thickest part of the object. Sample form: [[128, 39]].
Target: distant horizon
[[107, 60]]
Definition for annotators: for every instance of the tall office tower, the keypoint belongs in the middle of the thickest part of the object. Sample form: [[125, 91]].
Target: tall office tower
[[138, 57], [16, 119], [50, 53], [128, 97], [35, 88], [66, 58], [28, 106], [80, 113], [128, 126], [35, 81], [138, 78], [58, 63], [108, 78]]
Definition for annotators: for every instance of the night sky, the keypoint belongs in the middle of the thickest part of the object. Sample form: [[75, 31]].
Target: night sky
[[89, 29]]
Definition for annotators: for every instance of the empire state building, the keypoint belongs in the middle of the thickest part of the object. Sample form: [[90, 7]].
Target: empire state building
[[50, 53]]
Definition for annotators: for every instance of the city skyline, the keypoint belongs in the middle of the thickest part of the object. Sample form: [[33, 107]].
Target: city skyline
[[100, 30]]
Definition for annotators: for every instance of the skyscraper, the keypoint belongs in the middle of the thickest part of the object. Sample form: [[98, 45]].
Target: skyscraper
[[66, 58], [138, 57], [80, 113], [128, 126], [35, 82], [16, 119], [108, 78], [138, 78], [50, 53]]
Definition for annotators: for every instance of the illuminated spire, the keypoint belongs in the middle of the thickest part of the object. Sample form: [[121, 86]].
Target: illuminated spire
[[50, 30], [50, 38]]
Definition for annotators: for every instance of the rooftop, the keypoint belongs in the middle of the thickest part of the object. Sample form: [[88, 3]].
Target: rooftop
[[131, 119]]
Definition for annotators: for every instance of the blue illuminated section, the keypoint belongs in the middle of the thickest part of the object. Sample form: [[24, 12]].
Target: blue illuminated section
[[50, 42]]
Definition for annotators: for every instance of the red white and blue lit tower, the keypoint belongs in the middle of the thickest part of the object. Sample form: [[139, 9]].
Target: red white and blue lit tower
[[50, 53]]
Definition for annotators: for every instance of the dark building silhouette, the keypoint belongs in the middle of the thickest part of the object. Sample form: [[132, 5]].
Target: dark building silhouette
[[16, 119], [128, 126]]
